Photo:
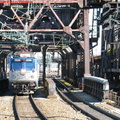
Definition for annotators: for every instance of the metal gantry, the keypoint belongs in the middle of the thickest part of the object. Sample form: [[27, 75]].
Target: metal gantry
[[34, 21], [58, 24]]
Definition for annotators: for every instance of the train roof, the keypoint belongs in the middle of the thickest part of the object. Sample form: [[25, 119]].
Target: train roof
[[24, 54]]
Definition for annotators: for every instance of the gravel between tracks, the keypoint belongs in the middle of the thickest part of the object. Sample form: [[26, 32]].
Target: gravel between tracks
[[54, 109], [6, 107], [57, 109]]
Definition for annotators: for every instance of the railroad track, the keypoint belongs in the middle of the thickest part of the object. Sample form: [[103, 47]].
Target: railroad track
[[85, 107], [25, 108]]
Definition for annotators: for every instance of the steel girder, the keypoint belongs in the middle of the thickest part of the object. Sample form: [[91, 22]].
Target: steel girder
[[33, 23]]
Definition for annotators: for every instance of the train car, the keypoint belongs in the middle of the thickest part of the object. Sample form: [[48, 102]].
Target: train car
[[23, 74]]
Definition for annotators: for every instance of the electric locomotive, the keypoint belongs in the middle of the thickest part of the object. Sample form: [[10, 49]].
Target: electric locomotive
[[23, 74]]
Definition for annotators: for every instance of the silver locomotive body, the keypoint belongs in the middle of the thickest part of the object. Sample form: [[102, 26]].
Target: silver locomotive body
[[23, 75]]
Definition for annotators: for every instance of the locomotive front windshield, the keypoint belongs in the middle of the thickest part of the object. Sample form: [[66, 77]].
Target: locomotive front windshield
[[18, 64]]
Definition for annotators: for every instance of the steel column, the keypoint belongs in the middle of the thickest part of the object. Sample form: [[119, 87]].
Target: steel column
[[86, 43], [44, 62]]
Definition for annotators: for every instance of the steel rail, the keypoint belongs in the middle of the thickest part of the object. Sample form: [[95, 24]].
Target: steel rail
[[39, 113], [15, 110], [75, 106], [87, 103]]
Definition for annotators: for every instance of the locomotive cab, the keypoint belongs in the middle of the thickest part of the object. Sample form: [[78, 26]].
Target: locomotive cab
[[23, 75]]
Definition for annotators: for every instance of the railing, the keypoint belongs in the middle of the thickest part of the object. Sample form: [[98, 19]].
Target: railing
[[114, 99], [96, 87]]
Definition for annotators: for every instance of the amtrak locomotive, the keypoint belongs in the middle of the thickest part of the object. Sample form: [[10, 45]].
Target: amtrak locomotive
[[23, 74]]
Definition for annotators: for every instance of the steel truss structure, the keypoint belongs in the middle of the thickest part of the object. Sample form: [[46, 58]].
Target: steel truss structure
[[35, 22], [54, 23]]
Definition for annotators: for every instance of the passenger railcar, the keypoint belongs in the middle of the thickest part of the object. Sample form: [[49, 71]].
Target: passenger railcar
[[23, 75]]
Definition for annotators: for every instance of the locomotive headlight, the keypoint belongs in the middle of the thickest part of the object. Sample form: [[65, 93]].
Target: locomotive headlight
[[23, 71]]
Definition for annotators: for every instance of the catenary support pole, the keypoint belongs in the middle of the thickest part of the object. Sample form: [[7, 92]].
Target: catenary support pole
[[86, 43]]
